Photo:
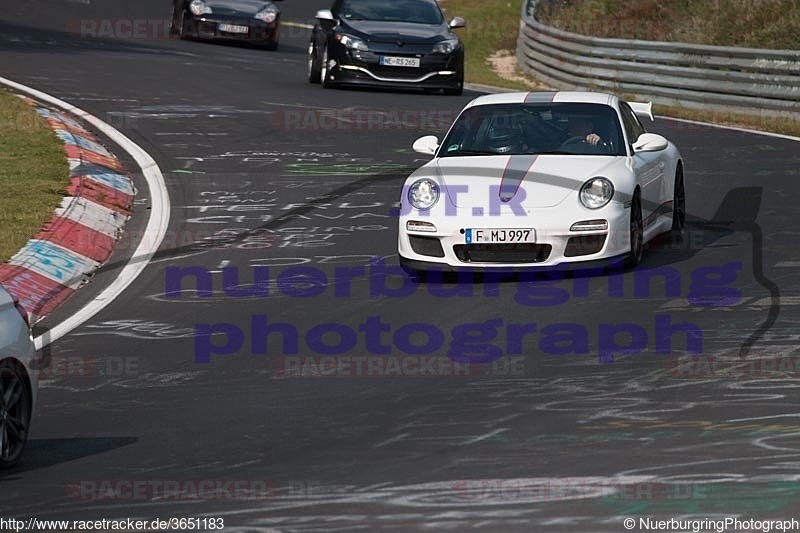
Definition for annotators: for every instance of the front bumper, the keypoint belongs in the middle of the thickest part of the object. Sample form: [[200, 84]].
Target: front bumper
[[555, 247], [208, 27], [436, 71]]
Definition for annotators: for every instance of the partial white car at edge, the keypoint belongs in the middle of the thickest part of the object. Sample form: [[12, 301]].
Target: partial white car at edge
[[541, 179], [18, 380]]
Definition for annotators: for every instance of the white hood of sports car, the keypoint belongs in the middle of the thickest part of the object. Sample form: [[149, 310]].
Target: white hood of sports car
[[544, 181]]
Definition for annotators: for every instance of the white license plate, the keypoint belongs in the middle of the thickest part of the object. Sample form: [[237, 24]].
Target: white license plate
[[233, 28], [400, 61], [495, 235]]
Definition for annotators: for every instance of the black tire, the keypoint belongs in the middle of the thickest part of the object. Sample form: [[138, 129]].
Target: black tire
[[273, 45], [314, 66], [173, 23], [185, 30], [455, 91], [458, 90], [16, 409], [324, 74], [678, 207], [636, 233]]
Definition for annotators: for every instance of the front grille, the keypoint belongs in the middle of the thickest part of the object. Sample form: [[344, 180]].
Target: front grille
[[584, 245], [502, 253], [430, 246], [402, 73]]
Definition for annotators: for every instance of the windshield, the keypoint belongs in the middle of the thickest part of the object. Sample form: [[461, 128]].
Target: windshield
[[412, 11], [551, 128]]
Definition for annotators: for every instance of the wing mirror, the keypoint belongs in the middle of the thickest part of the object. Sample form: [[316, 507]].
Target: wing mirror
[[650, 142], [458, 22], [426, 145]]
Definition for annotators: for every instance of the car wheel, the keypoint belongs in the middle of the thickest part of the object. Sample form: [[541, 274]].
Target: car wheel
[[678, 206], [459, 87], [173, 23], [184, 30], [324, 75], [636, 232], [273, 44], [314, 68], [15, 412], [455, 91]]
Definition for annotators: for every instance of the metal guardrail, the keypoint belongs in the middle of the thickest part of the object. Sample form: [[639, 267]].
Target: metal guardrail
[[713, 78]]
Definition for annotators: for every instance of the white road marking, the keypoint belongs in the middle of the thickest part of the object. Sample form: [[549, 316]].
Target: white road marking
[[483, 437], [392, 440], [298, 25], [222, 264], [156, 225], [769, 417]]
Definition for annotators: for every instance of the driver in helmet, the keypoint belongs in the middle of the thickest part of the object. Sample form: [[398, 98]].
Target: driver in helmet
[[505, 139]]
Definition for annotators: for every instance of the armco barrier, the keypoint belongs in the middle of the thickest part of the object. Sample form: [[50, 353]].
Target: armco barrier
[[713, 78]]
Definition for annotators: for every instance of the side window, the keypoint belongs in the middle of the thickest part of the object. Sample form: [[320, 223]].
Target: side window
[[633, 128]]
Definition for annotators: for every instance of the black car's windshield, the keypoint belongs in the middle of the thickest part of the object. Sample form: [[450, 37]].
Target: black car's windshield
[[412, 11], [551, 128]]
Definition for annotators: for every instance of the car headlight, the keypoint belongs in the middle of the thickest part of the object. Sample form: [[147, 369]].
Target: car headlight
[[423, 194], [198, 7], [354, 43], [445, 47], [596, 193], [268, 14]]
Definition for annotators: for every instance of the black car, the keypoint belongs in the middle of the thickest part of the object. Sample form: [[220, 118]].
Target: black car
[[255, 21], [389, 43]]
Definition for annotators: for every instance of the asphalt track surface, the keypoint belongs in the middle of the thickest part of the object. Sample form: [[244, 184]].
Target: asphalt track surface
[[532, 442]]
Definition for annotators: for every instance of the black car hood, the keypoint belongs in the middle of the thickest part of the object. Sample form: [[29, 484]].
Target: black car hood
[[392, 32], [229, 7]]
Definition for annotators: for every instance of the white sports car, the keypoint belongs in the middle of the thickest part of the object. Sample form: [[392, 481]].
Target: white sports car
[[541, 179], [18, 381]]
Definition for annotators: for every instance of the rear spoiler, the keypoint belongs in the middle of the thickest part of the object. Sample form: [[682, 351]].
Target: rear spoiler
[[642, 109]]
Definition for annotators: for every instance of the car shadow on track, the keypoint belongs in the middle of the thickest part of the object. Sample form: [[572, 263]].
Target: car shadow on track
[[43, 453], [284, 48], [27, 39], [737, 213]]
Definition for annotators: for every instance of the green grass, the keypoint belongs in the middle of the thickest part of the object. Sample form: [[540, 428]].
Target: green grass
[[33, 173], [747, 23], [492, 25]]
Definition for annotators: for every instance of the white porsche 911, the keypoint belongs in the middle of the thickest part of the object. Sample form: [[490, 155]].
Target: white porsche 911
[[541, 179]]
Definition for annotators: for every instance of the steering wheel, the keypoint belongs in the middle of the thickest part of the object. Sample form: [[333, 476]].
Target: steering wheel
[[603, 144], [574, 140]]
